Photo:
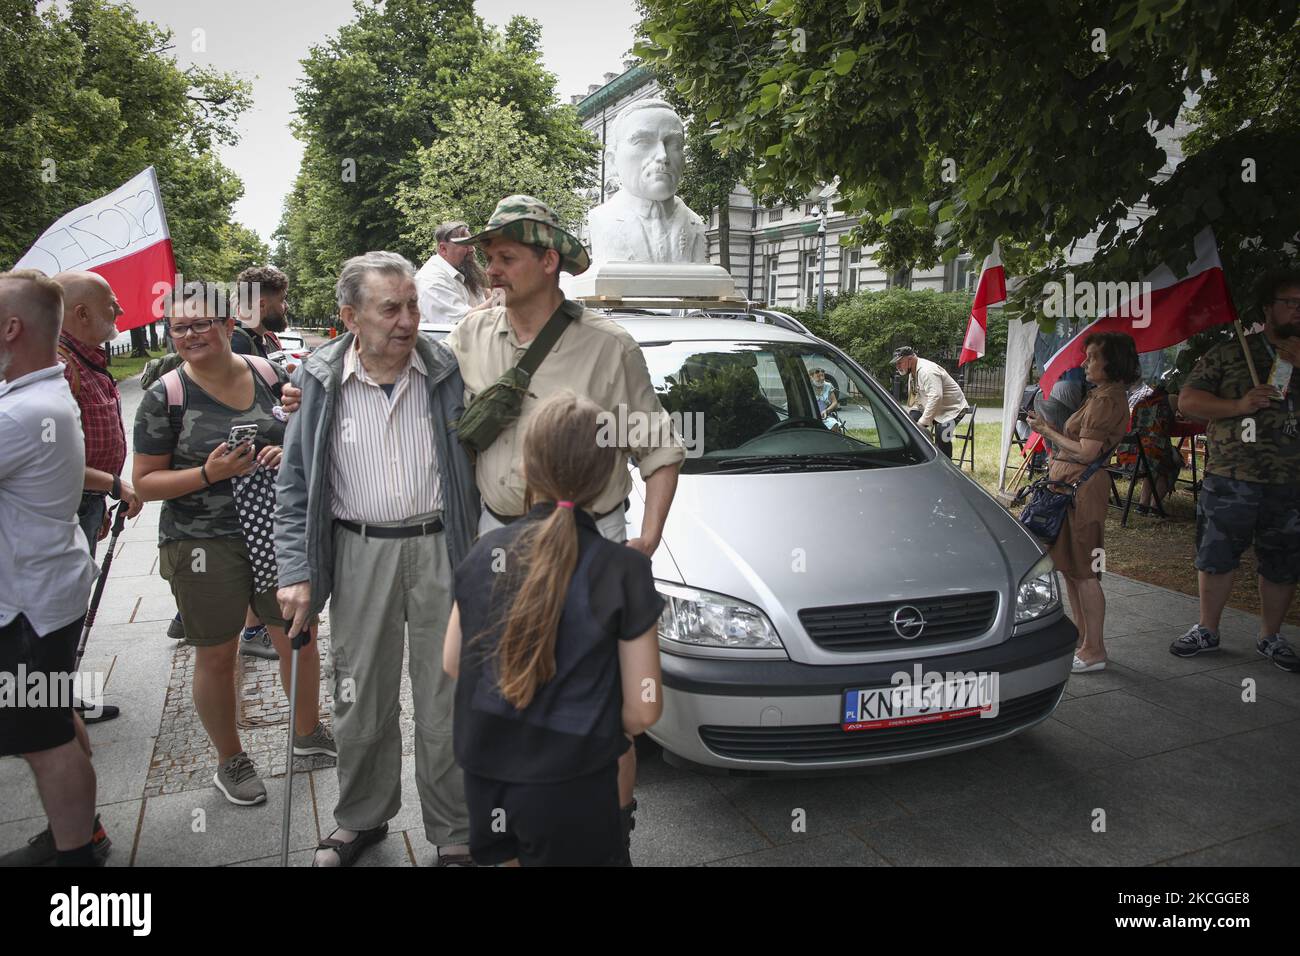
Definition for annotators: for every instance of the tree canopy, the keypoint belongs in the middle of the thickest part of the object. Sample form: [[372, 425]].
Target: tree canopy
[[388, 86], [953, 124], [89, 97]]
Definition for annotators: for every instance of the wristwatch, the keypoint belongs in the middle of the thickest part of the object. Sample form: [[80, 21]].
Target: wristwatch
[[116, 493]]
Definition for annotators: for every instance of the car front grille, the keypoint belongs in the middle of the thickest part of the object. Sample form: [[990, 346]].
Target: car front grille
[[869, 627], [829, 742]]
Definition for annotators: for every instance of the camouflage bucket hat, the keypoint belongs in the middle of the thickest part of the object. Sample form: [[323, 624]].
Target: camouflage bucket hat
[[530, 221]]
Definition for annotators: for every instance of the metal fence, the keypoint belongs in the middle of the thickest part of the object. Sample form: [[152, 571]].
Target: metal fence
[[982, 381]]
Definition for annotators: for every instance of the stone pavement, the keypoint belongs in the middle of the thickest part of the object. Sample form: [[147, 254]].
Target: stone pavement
[[1187, 772]]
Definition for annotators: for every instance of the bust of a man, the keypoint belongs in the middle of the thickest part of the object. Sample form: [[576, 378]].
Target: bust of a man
[[645, 221]]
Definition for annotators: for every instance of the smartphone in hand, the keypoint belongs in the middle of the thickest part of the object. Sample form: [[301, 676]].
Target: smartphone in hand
[[241, 435]]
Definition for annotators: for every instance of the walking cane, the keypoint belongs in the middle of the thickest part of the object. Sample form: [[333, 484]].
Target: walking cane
[[119, 521], [296, 641]]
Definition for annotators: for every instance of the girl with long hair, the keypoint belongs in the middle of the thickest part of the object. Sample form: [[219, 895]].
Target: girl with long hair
[[559, 665]]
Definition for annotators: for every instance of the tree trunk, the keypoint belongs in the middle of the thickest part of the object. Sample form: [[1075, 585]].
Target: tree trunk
[[139, 344]]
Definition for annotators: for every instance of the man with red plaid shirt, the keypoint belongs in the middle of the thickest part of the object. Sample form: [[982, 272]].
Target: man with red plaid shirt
[[90, 312]]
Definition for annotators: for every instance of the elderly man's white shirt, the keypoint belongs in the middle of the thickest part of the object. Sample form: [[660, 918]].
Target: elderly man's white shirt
[[443, 295]]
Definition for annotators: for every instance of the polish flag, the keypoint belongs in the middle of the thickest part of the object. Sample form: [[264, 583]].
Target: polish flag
[[991, 290], [123, 237], [1179, 307]]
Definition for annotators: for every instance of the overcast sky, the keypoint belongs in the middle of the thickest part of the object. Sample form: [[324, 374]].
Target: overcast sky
[[263, 40]]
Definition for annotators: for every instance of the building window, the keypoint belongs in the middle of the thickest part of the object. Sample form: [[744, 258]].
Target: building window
[[855, 266], [773, 266], [902, 279], [958, 276], [809, 278], [775, 215]]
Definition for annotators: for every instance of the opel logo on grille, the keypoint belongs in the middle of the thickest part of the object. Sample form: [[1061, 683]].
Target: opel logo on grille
[[908, 622]]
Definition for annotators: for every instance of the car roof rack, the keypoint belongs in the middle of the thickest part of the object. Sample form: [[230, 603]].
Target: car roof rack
[[687, 289]]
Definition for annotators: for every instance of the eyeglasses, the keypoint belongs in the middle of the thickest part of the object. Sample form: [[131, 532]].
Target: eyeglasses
[[1292, 304], [198, 328]]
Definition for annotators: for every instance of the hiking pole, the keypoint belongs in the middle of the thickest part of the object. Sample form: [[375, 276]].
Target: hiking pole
[[119, 521], [297, 641]]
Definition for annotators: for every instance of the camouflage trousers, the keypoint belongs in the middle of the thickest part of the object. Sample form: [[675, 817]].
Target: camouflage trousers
[[1231, 515]]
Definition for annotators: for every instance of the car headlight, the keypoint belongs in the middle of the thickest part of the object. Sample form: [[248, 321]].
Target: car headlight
[[702, 618], [1037, 594]]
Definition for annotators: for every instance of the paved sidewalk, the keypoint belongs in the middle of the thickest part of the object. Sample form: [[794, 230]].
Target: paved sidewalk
[[1187, 772]]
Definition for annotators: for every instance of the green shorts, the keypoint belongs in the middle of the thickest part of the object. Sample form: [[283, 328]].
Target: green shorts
[[212, 581]]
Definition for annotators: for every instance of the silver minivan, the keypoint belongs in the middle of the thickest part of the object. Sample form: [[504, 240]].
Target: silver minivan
[[838, 594]]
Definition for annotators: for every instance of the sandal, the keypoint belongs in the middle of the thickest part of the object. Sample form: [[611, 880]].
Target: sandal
[[454, 859], [350, 851]]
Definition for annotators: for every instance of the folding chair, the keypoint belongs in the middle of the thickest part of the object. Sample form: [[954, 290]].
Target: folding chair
[[968, 440], [1140, 471]]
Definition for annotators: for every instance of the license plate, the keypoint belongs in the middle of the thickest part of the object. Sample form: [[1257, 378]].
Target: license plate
[[907, 704]]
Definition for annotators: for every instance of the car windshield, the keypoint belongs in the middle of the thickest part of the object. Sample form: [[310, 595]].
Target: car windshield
[[746, 407]]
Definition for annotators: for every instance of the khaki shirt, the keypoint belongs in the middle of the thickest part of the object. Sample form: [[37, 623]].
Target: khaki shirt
[[594, 357]]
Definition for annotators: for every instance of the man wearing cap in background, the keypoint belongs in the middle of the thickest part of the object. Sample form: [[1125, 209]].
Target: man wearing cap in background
[[934, 400], [526, 248]]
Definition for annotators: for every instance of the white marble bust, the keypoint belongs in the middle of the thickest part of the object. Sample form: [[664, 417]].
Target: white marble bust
[[645, 221]]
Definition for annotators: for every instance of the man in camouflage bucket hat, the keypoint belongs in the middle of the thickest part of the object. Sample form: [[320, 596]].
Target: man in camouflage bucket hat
[[531, 222], [594, 357]]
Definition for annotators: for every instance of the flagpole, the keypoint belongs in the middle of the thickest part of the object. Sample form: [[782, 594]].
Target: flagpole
[[1250, 359]]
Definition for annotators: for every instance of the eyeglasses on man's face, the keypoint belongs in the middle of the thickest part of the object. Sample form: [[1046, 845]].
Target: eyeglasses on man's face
[[198, 327], [1292, 304]]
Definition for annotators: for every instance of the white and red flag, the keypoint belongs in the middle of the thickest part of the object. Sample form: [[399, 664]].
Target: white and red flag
[[991, 290], [123, 237], [1177, 308]]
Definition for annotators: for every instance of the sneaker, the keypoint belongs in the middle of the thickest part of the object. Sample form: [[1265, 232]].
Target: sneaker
[[238, 781], [256, 642], [176, 630], [1197, 640], [1280, 651], [40, 850], [319, 741]]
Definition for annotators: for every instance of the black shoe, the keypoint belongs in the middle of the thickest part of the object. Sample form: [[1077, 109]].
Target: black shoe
[[176, 630], [102, 713], [40, 850], [629, 824]]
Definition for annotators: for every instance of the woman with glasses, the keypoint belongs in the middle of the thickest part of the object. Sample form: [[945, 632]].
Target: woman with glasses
[[182, 458]]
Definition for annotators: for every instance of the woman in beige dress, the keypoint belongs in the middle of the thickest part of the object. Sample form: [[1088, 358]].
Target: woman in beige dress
[[1097, 427]]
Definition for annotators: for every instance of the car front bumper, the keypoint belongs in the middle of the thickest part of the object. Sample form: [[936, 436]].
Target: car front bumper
[[781, 715]]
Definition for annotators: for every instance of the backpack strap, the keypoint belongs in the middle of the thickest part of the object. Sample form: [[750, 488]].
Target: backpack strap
[[265, 368], [175, 388]]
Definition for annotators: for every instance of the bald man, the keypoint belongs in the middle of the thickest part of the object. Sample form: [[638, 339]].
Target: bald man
[[46, 571], [90, 312]]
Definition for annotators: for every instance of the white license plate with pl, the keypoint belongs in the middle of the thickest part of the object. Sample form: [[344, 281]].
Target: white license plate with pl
[[908, 704]]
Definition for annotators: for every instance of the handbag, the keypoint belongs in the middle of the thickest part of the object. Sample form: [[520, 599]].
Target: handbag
[[1051, 500], [491, 411], [255, 503]]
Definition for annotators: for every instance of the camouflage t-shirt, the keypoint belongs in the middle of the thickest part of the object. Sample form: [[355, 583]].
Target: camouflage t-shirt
[[209, 512], [1271, 458]]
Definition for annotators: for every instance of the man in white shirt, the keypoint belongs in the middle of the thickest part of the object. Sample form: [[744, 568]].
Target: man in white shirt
[[933, 394], [452, 282], [46, 571]]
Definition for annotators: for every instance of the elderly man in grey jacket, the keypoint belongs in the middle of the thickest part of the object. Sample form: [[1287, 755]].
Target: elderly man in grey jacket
[[375, 505]]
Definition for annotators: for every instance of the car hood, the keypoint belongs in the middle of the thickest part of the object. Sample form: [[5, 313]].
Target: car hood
[[790, 541]]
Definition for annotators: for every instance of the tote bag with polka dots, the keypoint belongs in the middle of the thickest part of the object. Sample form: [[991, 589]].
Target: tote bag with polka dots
[[255, 502]]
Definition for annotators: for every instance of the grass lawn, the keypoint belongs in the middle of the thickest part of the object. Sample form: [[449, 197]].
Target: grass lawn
[[124, 366], [1156, 550]]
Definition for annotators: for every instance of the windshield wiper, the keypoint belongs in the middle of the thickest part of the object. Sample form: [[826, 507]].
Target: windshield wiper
[[796, 462]]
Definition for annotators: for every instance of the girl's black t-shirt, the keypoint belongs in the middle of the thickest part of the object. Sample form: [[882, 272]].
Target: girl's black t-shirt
[[574, 724]]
